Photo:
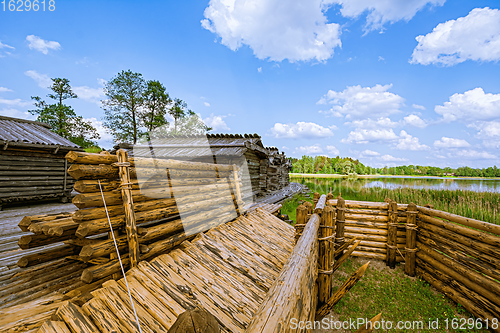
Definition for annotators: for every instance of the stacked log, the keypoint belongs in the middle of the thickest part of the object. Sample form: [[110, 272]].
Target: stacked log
[[460, 257], [368, 222]]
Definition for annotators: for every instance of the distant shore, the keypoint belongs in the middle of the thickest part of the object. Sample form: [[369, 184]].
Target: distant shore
[[325, 175]]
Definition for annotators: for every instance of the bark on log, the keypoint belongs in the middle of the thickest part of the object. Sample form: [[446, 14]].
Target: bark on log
[[32, 241], [38, 258], [325, 252], [337, 296], [294, 285], [340, 225], [28, 220], [392, 235]]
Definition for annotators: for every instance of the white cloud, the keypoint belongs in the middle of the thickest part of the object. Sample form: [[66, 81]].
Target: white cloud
[[308, 150], [206, 104], [216, 122], [380, 58], [5, 46], [302, 130], [369, 153], [416, 106], [473, 105], [43, 80], [93, 95], [106, 139], [332, 150], [446, 142], [473, 37], [390, 158], [259, 69], [285, 147], [408, 142], [381, 12], [36, 43], [275, 30], [366, 136], [414, 120], [3, 89], [361, 102], [472, 154], [489, 131], [382, 122], [10, 112], [15, 102]]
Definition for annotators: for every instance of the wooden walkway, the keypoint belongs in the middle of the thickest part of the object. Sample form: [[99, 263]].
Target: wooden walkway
[[227, 271]]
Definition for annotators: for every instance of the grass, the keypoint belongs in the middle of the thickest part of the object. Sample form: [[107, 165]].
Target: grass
[[397, 296], [484, 206], [93, 150], [290, 205]]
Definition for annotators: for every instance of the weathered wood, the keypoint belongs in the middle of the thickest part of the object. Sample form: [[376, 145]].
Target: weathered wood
[[51, 326], [309, 206], [469, 222], [103, 318], [194, 321], [74, 317], [32, 241], [479, 283], [369, 327], [411, 239], [28, 220], [325, 252], [345, 246], [294, 284], [320, 205], [480, 236], [336, 265], [301, 220], [337, 296], [340, 225], [128, 206], [457, 297], [392, 235], [315, 199], [38, 258]]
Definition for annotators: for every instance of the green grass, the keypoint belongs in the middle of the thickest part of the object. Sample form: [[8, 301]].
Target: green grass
[[397, 296], [484, 206], [290, 205], [93, 150]]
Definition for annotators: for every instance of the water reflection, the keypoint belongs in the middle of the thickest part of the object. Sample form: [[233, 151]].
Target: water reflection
[[477, 185]]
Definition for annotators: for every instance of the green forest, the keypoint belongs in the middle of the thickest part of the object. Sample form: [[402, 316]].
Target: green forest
[[349, 166]]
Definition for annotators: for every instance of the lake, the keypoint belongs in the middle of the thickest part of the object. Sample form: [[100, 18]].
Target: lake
[[394, 182]]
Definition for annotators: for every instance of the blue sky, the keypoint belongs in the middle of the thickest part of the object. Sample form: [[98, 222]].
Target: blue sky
[[390, 82]]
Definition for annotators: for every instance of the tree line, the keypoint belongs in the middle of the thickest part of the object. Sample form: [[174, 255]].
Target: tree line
[[347, 165], [133, 108]]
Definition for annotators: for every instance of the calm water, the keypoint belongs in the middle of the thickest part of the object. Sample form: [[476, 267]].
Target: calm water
[[477, 185]]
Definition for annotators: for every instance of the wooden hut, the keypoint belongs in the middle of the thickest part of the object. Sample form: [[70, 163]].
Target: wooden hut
[[213, 148], [32, 164]]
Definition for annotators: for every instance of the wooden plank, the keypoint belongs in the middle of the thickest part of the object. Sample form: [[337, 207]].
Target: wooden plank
[[51, 326], [75, 318], [102, 317]]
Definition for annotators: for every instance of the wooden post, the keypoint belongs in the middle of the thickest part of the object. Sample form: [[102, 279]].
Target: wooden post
[[315, 198], [411, 239], [325, 254], [300, 221], [128, 206], [114, 255], [339, 225], [236, 183], [392, 234], [309, 207]]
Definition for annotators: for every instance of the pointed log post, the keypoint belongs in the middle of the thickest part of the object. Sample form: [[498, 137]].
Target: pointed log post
[[369, 326], [325, 254], [411, 239], [300, 221], [316, 197], [309, 207], [329, 197], [392, 234], [344, 257], [339, 225], [128, 206], [337, 296]]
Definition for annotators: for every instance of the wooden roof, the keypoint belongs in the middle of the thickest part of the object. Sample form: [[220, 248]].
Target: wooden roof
[[15, 132]]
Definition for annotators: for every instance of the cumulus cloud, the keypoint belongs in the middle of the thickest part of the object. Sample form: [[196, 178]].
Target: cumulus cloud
[[408, 142], [473, 37], [301, 130], [15, 102], [382, 122], [275, 30], [446, 142], [416, 106], [38, 44], [369, 153], [206, 104], [15, 113], [42, 80], [370, 135], [332, 150], [414, 120], [361, 102], [308, 150], [381, 12], [390, 158], [472, 154], [473, 105], [489, 131], [88, 94], [3, 89], [216, 122]]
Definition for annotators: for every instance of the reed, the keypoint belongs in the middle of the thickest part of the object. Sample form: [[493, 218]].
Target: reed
[[484, 206]]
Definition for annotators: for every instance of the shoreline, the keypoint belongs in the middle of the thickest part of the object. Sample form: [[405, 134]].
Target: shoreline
[[325, 175]]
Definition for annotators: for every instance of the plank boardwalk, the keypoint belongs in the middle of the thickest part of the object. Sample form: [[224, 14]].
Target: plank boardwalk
[[227, 271]]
